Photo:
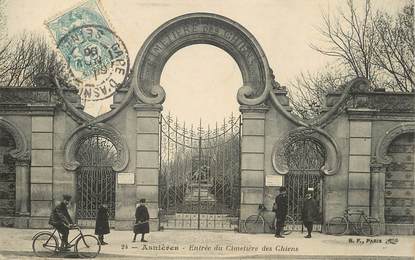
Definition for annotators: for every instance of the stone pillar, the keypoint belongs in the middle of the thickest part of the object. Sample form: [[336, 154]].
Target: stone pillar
[[360, 142], [41, 171], [22, 193], [377, 171], [252, 159], [147, 158]]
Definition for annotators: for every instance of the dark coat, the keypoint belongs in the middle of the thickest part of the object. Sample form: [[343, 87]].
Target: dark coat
[[141, 220], [282, 206], [60, 216], [102, 225], [309, 211]]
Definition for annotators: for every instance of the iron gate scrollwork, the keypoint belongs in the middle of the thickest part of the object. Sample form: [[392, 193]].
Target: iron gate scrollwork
[[199, 175], [95, 177], [305, 157]]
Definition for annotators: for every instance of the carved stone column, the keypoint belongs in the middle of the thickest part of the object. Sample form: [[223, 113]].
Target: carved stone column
[[22, 193], [377, 171]]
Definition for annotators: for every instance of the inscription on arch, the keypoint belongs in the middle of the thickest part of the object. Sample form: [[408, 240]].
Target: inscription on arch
[[201, 28]]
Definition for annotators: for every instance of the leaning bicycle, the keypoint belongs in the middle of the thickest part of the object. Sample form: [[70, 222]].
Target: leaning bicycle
[[257, 223], [365, 225], [46, 244]]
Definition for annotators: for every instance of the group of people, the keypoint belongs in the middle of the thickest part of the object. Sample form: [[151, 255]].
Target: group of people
[[62, 221], [308, 214]]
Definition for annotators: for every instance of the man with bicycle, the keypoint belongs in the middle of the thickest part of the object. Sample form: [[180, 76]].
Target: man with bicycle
[[61, 220]]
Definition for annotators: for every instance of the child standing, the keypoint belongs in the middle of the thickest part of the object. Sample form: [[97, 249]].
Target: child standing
[[141, 221]]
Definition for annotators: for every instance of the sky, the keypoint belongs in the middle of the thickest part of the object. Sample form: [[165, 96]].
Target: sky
[[201, 81]]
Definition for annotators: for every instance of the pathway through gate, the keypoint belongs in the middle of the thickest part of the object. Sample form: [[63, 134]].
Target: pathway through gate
[[199, 175]]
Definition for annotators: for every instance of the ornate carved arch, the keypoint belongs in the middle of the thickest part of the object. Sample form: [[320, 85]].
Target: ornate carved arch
[[386, 140], [21, 152], [82, 133], [333, 160], [201, 28]]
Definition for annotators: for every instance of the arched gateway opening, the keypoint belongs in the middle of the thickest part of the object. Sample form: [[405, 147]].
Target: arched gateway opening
[[95, 180], [305, 157], [199, 179]]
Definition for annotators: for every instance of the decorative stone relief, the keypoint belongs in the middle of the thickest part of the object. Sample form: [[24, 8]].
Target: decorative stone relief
[[21, 151], [84, 132], [386, 140], [333, 160]]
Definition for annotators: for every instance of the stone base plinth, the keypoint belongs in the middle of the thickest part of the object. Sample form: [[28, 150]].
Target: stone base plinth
[[21, 222], [39, 222], [399, 229], [6, 221]]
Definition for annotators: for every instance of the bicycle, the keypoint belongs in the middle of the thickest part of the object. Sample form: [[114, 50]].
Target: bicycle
[[256, 223], [46, 244], [368, 226]]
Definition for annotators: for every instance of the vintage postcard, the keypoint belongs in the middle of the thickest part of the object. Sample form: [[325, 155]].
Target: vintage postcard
[[203, 129]]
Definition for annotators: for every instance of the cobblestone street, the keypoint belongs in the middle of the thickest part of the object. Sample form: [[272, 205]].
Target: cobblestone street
[[16, 244]]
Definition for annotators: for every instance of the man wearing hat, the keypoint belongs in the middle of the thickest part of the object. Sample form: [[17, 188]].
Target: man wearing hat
[[281, 211], [309, 212], [60, 219]]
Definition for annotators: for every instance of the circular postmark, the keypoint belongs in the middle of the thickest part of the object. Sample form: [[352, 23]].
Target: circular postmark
[[97, 59]]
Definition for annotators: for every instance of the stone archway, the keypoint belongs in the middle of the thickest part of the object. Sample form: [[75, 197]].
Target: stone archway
[[95, 154], [201, 28], [241, 45], [392, 179]]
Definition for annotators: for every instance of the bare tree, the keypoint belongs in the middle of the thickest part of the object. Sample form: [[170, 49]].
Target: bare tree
[[23, 58], [308, 91], [377, 46], [395, 49], [351, 39]]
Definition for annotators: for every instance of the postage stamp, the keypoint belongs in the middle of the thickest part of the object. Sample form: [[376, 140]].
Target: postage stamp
[[97, 58]]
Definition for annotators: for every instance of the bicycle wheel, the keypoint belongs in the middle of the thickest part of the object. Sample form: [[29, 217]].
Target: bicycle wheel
[[45, 244], [289, 225], [370, 227], [337, 226], [254, 224], [87, 246]]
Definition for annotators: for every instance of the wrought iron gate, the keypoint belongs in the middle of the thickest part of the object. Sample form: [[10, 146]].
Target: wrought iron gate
[[199, 181], [305, 157], [95, 177], [7, 175]]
